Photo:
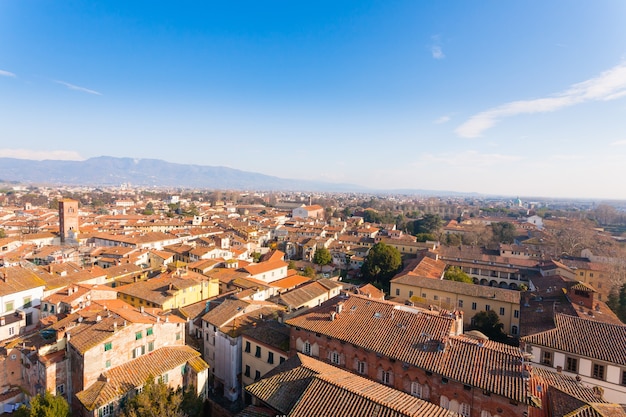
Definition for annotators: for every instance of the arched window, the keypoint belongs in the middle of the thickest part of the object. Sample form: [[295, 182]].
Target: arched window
[[420, 391], [306, 348], [485, 413], [514, 330], [465, 409], [444, 402]]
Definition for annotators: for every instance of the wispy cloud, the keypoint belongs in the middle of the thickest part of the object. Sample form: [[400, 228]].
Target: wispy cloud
[[78, 88], [437, 52], [619, 143], [441, 120], [567, 157], [435, 48], [609, 85], [6, 73], [40, 155]]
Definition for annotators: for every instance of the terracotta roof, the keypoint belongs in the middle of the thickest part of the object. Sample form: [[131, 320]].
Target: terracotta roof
[[420, 338], [291, 281], [16, 279], [303, 387], [302, 295], [262, 267], [587, 338], [117, 381]]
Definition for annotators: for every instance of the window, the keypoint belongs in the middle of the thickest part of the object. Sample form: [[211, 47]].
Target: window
[[473, 306], [397, 291], [410, 294], [282, 359], [247, 349], [258, 352], [107, 364], [306, 348], [546, 358], [108, 346], [150, 346], [502, 311], [150, 331], [598, 371], [460, 303], [571, 364], [516, 314], [386, 378], [61, 389], [178, 336], [514, 330], [270, 357], [465, 409], [105, 411], [361, 367], [138, 335], [436, 297], [487, 307], [27, 302], [444, 402], [257, 375], [335, 358], [11, 331], [247, 371], [8, 306], [420, 391], [164, 378], [623, 377]]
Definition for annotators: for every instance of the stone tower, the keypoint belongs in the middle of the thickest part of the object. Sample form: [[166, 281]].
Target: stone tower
[[68, 220]]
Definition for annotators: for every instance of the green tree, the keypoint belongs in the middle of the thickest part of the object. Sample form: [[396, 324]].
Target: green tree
[[322, 257], [46, 405], [256, 256], [156, 399], [308, 272], [429, 223], [149, 210], [617, 302], [381, 264], [292, 265], [423, 237], [456, 274], [2, 234], [489, 324], [503, 232]]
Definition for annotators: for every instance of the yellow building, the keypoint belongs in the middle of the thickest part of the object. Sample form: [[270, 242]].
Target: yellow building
[[170, 290], [452, 295], [263, 348]]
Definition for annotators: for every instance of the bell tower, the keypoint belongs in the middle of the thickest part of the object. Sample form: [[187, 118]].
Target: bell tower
[[68, 220]]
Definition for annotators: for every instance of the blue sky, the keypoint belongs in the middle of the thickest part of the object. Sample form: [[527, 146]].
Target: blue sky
[[501, 97]]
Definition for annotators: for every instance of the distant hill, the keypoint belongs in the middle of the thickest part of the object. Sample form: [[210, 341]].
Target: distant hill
[[111, 171]]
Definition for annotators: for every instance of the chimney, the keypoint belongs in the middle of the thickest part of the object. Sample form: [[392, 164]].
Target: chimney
[[114, 326], [2, 321], [98, 318], [339, 308], [67, 337], [332, 316], [3, 276], [141, 310]]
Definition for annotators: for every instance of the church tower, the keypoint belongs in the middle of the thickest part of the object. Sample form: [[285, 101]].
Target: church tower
[[68, 220]]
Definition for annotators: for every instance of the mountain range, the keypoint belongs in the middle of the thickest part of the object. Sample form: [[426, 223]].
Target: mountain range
[[113, 171]]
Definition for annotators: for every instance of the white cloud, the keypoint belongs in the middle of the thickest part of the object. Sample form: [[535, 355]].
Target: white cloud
[[610, 85], [442, 119], [565, 157], [437, 52], [40, 155], [619, 143], [77, 88], [6, 73]]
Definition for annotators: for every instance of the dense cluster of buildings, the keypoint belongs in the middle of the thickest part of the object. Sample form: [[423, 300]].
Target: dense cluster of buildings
[[94, 304]]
